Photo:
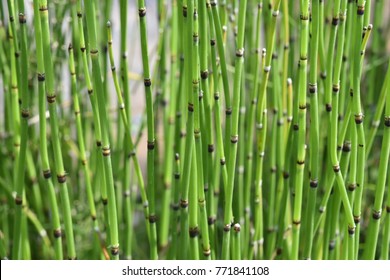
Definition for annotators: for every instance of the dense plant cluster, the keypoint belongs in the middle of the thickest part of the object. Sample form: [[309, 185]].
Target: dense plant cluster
[[265, 131]]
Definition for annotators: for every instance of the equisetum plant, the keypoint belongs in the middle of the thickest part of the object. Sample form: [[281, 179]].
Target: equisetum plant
[[195, 129]]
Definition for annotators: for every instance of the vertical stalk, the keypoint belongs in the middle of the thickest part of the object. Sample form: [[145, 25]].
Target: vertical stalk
[[48, 75], [357, 111], [104, 126], [302, 68], [314, 128], [24, 100], [228, 214], [373, 229], [56, 225], [150, 127]]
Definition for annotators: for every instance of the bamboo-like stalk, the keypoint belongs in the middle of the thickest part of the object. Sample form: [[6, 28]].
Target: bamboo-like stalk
[[239, 62], [301, 152], [97, 81], [151, 136], [314, 129], [261, 116], [25, 114], [56, 226], [218, 22], [250, 131], [81, 142], [373, 229], [357, 111], [48, 75]]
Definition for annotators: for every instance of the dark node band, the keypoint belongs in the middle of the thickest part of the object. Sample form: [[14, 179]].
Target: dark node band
[[79, 15], [227, 228], [323, 75], [190, 107], [347, 147], [240, 52], [212, 42], [210, 148], [126, 193], [177, 156], [152, 219], [183, 203], [115, 251], [82, 49], [335, 21], [211, 220], [286, 175], [376, 215], [237, 228], [106, 151], [207, 252], [84, 162], [387, 121], [336, 168], [94, 51], [93, 217], [18, 200], [388, 209], [43, 8], [147, 82], [46, 174], [313, 183], [360, 10], [332, 245], [303, 58], [25, 113], [104, 201], [302, 106], [296, 222], [234, 139], [228, 111], [312, 88], [356, 219], [22, 18], [351, 230], [216, 96], [175, 207], [300, 162], [359, 118], [351, 187], [131, 154], [273, 169], [222, 161], [204, 74], [17, 54], [57, 233], [142, 12], [328, 107], [151, 145], [184, 11], [194, 232], [335, 88], [51, 98], [296, 127], [98, 143], [61, 178], [304, 17]]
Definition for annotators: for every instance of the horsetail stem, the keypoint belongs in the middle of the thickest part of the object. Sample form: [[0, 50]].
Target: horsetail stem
[[97, 81], [51, 99], [151, 135]]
